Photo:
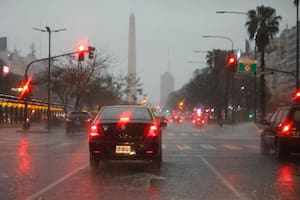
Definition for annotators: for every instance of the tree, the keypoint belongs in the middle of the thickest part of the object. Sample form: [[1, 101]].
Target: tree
[[32, 53], [122, 86], [262, 25]]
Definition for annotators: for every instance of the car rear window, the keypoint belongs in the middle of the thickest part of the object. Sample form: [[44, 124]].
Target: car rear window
[[78, 114], [296, 116], [115, 113]]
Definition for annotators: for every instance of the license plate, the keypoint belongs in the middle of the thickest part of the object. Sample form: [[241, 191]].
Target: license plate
[[296, 134], [123, 149]]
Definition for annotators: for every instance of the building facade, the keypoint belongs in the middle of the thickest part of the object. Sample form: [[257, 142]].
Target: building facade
[[166, 87]]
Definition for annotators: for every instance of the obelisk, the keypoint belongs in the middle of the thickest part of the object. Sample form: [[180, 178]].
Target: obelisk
[[131, 95]]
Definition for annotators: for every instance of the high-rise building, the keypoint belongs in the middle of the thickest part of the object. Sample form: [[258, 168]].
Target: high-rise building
[[166, 87], [131, 95], [3, 49], [281, 55]]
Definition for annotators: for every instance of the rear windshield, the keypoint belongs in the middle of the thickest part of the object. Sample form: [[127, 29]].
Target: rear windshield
[[297, 115], [115, 113], [79, 114]]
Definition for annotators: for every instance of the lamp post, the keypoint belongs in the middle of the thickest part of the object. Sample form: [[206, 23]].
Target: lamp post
[[232, 78], [244, 13], [297, 44], [47, 29]]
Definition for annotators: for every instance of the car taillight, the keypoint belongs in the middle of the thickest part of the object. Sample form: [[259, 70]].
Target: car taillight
[[203, 121], [193, 121], [124, 119], [285, 128], [153, 131], [87, 120], [94, 131]]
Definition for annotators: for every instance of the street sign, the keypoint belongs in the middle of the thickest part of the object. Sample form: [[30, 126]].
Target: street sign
[[247, 65]]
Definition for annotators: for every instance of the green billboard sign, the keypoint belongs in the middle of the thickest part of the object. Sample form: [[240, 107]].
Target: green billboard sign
[[247, 65]]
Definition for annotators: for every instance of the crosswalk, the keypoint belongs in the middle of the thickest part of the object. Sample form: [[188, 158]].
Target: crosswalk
[[210, 147], [191, 145]]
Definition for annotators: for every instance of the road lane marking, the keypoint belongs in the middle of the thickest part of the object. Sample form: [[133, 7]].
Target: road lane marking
[[52, 185], [208, 147], [170, 134], [252, 146], [183, 146], [231, 147], [222, 179]]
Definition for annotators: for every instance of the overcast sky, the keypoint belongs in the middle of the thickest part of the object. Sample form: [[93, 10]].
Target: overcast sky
[[176, 25]]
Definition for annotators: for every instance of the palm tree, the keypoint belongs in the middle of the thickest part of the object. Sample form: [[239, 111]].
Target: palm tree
[[296, 3], [262, 25]]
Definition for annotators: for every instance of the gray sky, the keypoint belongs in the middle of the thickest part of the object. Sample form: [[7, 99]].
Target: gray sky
[[160, 25]]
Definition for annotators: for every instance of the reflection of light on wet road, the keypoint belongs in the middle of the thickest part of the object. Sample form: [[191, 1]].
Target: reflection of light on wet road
[[286, 185], [24, 168]]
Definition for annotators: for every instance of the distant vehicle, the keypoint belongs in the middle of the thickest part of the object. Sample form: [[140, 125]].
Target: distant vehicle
[[282, 132], [176, 119], [125, 133], [163, 121], [199, 121], [78, 121]]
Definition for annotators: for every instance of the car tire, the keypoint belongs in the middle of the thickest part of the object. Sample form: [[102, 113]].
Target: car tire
[[264, 148], [280, 152], [94, 163]]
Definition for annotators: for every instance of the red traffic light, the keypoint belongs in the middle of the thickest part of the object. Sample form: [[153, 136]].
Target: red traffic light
[[232, 62], [81, 48], [26, 90], [296, 95], [81, 51]]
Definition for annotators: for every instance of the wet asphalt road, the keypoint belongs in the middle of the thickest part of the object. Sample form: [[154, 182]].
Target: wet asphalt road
[[209, 163]]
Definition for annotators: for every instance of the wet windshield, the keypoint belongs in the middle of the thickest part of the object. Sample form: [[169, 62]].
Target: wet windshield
[[149, 100]]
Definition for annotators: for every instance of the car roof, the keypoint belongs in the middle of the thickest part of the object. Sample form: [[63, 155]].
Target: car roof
[[127, 106]]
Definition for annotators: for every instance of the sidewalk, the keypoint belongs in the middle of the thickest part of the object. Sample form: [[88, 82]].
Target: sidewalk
[[34, 128]]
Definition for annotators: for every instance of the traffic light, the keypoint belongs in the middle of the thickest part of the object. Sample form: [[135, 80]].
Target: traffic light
[[296, 96], [91, 52], [81, 51], [25, 89], [232, 63]]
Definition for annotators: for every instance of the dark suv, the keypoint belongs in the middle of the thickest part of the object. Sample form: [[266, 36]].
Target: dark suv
[[78, 121], [282, 132]]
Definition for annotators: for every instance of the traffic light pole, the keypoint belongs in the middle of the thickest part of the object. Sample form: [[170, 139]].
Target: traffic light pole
[[26, 122]]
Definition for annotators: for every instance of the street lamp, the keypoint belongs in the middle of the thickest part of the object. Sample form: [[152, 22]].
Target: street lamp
[[47, 29], [222, 37], [232, 12]]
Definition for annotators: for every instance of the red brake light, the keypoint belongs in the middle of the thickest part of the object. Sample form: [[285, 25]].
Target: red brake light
[[153, 131], [124, 119], [94, 131], [286, 128]]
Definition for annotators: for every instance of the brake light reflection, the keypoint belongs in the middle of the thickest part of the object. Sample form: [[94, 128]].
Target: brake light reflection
[[286, 183]]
